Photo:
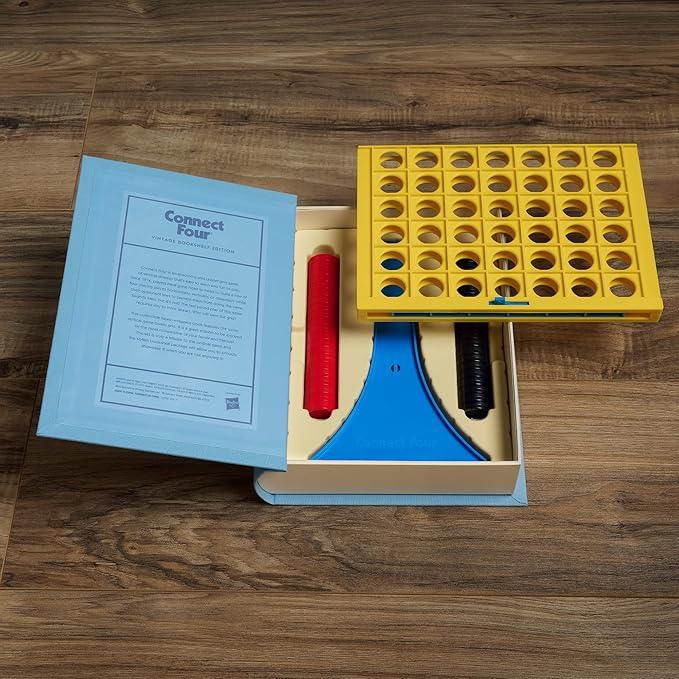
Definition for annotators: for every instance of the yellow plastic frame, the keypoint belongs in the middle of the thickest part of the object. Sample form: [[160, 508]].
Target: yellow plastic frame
[[543, 232]]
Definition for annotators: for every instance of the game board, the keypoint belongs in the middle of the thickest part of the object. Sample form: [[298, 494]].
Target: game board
[[492, 232]]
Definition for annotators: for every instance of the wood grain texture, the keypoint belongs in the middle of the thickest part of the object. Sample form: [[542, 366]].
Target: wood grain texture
[[42, 124], [604, 492], [32, 254], [213, 634], [297, 34], [297, 131], [16, 405]]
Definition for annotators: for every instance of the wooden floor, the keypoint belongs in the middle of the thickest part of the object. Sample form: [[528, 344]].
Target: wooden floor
[[116, 564]]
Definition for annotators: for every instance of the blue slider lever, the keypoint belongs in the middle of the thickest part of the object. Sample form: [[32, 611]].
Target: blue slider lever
[[397, 416]]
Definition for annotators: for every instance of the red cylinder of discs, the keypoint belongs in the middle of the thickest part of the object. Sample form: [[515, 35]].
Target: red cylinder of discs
[[322, 336]]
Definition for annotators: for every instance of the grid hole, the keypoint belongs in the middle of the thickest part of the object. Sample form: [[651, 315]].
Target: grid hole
[[614, 233], [535, 183], [501, 208], [464, 208], [391, 160], [468, 287], [427, 184], [428, 209], [467, 260], [572, 183], [426, 159], [619, 260], [583, 287], [533, 159], [622, 287], [392, 261], [537, 208], [392, 234], [574, 208], [568, 159], [463, 184], [505, 261], [580, 260], [542, 260], [503, 234], [545, 287], [391, 209], [577, 233], [391, 184], [430, 287], [461, 159], [465, 233], [429, 260], [393, 287], [429, 234], [608, 183], [499, 184], [497, 159], [540, 233], [605, 159], [507, 287], [611, 208]]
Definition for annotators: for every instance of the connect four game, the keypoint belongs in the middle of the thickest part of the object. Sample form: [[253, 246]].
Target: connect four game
[[492, 232]]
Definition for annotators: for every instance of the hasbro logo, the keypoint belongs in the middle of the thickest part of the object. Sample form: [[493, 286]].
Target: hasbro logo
[[232, 403]]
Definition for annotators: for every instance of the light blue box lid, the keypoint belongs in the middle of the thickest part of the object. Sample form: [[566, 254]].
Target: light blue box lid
[[173, 328]]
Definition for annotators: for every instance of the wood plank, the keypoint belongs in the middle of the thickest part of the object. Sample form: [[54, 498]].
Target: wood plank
[[296, 131], [42, 125], [213, 634], [32, 254], [16, 405], [603, 490], [295, 34]]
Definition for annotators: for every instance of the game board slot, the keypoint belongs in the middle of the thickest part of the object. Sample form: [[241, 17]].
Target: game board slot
[[392, 260], [501, 208], [544, 286], [612, 207], [430, 286], [543, 260], [429, 183], [429, 234], [537, 208], [615, 233], [568, 158], [622, 286], [608, 183], [574, 207], [572, 183], [468, 259], [577, 233], [507, 286], [467, 286], [497, 159], [505, 260], [430, 260], [619, 260], [540, 232], [390, 183], [462, 159], [580, 260], [462, 183], [533, 158], [392, 233], [503, 233], [583, 286], [465, 233], [429, 208], [391, 160], [392, 209], [393, 287], [464, 208], [534, 183], [498, 183], [604, 158], [426, 159]]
